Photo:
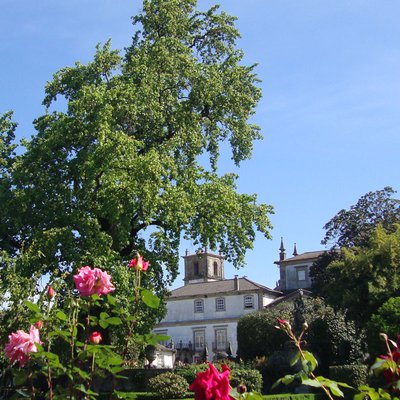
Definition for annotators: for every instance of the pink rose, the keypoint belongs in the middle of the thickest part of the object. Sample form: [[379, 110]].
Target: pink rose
[[95, 338], [20, 344], [90, 281], [211, 384], [139, 263]]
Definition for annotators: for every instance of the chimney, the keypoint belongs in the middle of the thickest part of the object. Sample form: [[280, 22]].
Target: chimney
[[295, 253], [236, 283]]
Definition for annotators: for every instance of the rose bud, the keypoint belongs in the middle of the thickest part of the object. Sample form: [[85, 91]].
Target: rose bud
[[95, 338], [50, 292], [39, 324]]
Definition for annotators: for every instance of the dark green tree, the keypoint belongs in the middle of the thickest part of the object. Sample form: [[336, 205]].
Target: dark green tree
[[129, 160], [354, 227]]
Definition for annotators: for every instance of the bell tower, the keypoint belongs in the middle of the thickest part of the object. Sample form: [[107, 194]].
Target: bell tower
[[203, 267]]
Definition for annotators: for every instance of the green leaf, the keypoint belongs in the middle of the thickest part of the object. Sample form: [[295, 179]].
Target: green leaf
[[295, 359], [103, 324], [104, 315], [311, 382], [150, 299], [111, 300], [61, 315], [114, 321], [32, 306], [311, 359]]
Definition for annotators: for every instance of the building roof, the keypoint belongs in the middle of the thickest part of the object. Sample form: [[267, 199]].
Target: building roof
[[217, 287], [308, 255], [291, 296]]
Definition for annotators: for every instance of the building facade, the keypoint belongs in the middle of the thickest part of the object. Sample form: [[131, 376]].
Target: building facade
[[202, 315], [294, 272]]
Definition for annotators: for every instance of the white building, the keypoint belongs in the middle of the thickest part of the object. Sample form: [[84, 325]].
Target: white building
[[202, 315], [295, 271]]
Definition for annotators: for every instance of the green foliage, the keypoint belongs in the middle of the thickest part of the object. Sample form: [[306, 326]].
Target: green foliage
[[251, 378], [189, 371], [256, 332], [168, 385], [386, 319], [366, 277], [119, 170], [129, 162], [354, 375], [354, 227], [330, 335], [334, 338]]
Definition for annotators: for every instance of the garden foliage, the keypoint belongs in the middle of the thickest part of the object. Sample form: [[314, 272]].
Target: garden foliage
[[168, 386]]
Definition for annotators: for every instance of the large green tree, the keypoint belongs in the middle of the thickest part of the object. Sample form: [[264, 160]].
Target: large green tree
[[353, 227], [128, 161], [364, 278]]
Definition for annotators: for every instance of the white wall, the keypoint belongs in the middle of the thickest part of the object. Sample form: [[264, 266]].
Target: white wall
[[183, 310]]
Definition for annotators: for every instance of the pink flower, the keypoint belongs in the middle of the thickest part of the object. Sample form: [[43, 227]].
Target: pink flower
[[50, 292], [139, 263], [90, 281], [95, 338], [211, 384], [20, 344]]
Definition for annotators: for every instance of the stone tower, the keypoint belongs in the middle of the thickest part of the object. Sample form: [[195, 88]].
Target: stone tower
[[203, 267]]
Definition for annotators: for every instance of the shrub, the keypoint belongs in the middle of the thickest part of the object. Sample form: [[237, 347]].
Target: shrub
[[386, 319], [251, 378], [334, 339], [256, 333], [168, 386], [354, 375], [189, 372]]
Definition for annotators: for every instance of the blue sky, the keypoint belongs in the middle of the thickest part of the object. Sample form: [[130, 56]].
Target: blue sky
[[330, 111]]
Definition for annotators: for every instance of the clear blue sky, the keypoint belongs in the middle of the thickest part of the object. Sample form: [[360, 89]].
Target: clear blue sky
[[330, 112]]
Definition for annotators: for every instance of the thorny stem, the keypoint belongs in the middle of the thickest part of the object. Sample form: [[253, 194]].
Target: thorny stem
[[49, 377], [297, 342]]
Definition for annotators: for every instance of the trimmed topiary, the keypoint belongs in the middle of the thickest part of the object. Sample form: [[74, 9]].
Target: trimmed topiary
[[168, 386], [251, 378]]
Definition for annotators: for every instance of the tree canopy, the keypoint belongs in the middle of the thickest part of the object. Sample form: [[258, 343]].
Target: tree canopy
[[364, 278], [353, 227], [130, 163]]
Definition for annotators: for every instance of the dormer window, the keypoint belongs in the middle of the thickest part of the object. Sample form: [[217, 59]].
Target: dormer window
[[199, 306]]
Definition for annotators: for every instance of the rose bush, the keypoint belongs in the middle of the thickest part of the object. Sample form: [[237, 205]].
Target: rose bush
[[73, 346]]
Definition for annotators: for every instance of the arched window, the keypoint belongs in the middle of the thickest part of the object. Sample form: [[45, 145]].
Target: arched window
[[196, 268], [215, 268], [198, 306]]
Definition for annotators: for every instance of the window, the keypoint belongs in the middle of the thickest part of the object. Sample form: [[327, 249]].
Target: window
[[221, 343], [215, 268], [199, 339], [301, 274], [220, 304], [196, 268], [248, 301], [198, 306]]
